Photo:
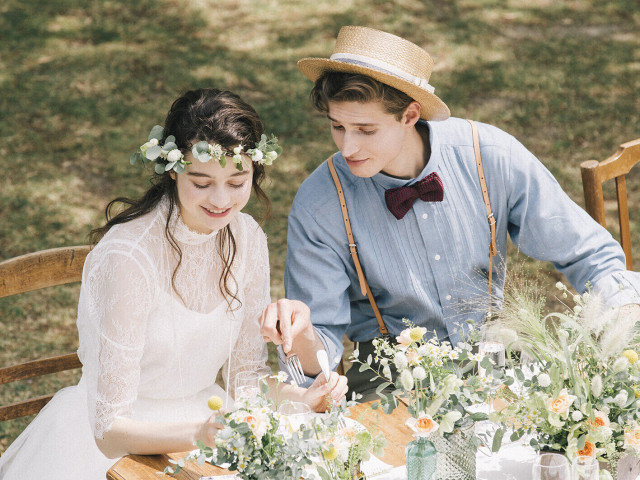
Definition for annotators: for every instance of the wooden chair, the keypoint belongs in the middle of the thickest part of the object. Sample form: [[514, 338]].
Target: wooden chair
[[33, 271], [595, 173]]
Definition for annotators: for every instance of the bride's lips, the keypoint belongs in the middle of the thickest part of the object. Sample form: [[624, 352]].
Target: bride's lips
[[217, 213]]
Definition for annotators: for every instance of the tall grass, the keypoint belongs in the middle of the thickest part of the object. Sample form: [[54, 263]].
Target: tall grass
[[81, 83]]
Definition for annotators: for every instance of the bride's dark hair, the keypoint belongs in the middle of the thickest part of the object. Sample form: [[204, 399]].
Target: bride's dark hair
[[214, 116]]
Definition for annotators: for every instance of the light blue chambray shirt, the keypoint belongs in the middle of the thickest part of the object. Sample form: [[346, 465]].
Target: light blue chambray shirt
[[431, 266]]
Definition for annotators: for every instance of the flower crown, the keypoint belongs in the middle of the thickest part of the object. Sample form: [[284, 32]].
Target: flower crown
[[169, 157]]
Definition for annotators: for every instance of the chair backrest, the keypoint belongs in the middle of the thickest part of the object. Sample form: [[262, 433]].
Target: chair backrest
[[594, 174], [33, 271]]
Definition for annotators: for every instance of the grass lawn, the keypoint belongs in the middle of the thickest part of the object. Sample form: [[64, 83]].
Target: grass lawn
[[82, 82]]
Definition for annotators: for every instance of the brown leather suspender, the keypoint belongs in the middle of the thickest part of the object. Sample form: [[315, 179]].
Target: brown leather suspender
[[364, 286], [493, 249]]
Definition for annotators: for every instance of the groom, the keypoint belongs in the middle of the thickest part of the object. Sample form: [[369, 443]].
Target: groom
[[424, 226]]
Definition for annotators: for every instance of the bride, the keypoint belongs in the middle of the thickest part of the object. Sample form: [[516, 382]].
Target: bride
[[171, 296]]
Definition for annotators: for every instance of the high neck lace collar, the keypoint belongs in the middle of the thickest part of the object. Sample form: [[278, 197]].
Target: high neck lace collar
[[180, 230]]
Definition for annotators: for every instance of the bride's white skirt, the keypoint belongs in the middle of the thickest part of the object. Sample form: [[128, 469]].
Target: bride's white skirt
[[58, 444]]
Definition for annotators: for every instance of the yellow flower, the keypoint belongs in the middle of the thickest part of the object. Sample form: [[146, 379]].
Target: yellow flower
[[215, 402], [417, 333], [331, 454], [631, 355]]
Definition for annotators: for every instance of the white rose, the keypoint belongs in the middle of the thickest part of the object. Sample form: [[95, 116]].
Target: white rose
[[544, 380], [174, 155], [256, 155], [576, 415]]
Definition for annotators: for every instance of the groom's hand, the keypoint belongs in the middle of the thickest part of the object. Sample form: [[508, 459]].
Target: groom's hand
[[284, 320]]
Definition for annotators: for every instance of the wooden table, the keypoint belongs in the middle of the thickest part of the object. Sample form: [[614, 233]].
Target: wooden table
[[146, 467]]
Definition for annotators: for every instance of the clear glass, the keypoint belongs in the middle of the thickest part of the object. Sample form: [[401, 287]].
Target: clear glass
[[247, 385], [295, 414], [585, 468], [421, 459], [551, 466]]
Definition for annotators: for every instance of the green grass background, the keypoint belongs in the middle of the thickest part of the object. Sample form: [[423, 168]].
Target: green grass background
[[82, 82]]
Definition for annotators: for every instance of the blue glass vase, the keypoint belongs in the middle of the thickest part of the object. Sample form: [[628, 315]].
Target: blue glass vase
[[421, 459]]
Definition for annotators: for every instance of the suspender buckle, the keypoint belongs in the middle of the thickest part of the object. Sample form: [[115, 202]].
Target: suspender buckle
[[491, 219]]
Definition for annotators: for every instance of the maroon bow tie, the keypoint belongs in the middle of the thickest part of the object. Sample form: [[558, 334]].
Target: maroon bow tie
[[400, 200]]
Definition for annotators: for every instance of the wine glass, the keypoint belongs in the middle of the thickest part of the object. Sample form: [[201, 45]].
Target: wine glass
[[296, 414], [585, 468], [551, 466], [247, 386]]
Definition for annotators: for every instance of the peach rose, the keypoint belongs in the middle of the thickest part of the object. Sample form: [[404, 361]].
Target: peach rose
[[600, 420], [632, 438], [423, 425], [562, 403], [589, 450]]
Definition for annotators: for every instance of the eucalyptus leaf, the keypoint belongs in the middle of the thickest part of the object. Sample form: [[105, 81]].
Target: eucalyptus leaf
[[156, 132], [153, 152], [497, 440]]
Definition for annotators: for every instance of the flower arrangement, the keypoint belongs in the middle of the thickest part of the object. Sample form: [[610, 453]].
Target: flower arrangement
[[440, 381], [579, 392], [344, 448], [260, 443], [170, 157]]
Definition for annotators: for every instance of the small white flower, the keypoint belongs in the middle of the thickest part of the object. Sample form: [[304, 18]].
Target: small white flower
[[596, 385], [576, 298], [620, 364], [621, 398], [400, 360], [256, 155], [576, 415], [238, 150], [153, 142], [406, 380], [544, 380], [356, 352], [577, 309], [419, 373], [174, 155]]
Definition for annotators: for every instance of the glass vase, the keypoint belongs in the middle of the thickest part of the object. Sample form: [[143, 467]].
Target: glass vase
[[622, 466], [421, 459], [456, 455]]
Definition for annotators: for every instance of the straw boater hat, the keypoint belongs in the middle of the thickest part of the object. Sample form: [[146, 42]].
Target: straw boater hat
[[382, 56]]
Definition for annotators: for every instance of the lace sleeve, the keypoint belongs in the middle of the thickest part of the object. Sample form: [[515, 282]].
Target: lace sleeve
[[250, 350], [122, 298]]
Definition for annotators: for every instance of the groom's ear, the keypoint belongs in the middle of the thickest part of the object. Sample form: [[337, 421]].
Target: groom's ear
[[411, 114]]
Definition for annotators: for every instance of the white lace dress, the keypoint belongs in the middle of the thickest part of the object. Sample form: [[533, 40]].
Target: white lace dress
[[148, 353]]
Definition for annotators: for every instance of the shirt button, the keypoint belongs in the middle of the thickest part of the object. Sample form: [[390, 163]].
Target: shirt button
[[437, 257], [425, 216], [448, 297]]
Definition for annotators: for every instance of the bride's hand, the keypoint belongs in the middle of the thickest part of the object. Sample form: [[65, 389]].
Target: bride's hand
[[284, 320], [321, 393], [209, 429]]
